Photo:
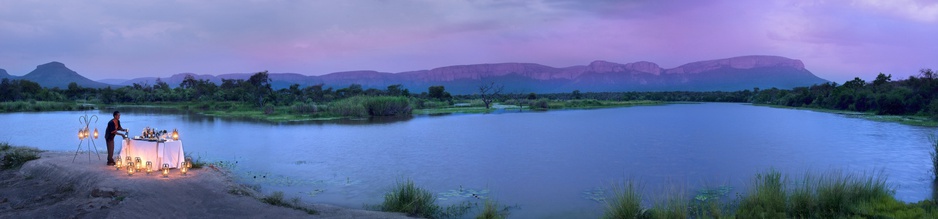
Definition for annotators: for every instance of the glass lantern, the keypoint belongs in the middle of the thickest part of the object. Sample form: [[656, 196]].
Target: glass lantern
[[119, 163], [131, 168], [149, 167], [138, 162], [175, 135], [95, 133], [165, 170]]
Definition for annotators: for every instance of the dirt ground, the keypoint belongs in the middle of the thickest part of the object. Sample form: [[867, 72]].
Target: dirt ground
[[55, 187]]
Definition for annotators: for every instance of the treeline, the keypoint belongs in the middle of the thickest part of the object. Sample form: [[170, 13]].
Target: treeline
[[912, 96]]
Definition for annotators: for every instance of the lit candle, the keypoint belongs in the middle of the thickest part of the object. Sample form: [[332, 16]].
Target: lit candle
[[80, 134], [165, 170], [175, 135], [95, 133]]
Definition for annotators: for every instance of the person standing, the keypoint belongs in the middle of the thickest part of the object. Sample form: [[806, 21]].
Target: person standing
[[112, 127]]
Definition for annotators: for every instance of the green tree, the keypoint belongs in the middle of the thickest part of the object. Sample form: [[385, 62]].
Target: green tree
[[437, 92]]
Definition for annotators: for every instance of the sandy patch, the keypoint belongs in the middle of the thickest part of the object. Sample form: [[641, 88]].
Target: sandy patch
[[55, 187]]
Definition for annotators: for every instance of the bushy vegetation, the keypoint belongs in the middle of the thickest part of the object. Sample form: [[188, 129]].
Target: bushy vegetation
[[14, 157]]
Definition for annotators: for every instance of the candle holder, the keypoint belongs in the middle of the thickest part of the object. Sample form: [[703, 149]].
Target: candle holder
[[119, 163], [183, 169], [175, 135], [165, 170], [131, 168], [149, 167], [139, 163]]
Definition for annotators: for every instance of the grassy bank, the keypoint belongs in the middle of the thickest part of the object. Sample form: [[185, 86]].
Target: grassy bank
[[913, 120], [41, 106], [772, 195]]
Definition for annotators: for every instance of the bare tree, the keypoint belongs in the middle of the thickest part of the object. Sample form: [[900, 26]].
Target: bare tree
[[489, 92]]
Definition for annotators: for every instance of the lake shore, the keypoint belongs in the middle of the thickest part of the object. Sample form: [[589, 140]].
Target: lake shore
[[55, 187], [901, 119]]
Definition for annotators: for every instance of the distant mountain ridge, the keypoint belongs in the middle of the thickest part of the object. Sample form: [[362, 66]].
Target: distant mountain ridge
[[730, 74], [55, 74]]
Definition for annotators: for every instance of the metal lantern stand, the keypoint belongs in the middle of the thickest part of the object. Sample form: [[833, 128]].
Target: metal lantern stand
[[83, 134]]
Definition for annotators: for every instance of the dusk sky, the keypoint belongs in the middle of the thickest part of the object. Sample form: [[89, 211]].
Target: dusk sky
[[837, 40]]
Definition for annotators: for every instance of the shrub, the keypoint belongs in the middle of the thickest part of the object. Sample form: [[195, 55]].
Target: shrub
[[412, 200], [305, 108], [540, 104], [626, 201]]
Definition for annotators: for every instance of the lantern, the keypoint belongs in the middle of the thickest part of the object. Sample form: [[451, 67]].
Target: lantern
[[165, 170], [189, 162], [175, 135], [119, 163], [131, 168], [183, 169], [149, 167], [139, 163], [95, 133], [81, 134]]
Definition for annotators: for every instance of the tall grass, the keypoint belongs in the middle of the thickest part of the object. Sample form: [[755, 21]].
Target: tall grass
[[675, 206], [626, 201], [766, 197], [831, 195], [412, 200], [365, 106]]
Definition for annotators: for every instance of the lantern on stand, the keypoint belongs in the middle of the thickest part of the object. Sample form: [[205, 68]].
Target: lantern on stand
[[119, 163], [165, 170], [175, 135], [81, 134], [131, 168], [149, 167], [95, 133]]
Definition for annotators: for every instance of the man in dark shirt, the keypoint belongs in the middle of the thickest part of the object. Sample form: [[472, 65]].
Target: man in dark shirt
[[112, 127]]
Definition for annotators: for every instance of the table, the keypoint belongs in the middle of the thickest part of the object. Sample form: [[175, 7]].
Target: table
[[159, 152]]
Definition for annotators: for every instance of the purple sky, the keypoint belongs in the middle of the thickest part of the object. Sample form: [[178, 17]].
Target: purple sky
[[837, 40]]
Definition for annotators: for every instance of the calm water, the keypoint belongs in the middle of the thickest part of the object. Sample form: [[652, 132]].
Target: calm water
[[542, 162]]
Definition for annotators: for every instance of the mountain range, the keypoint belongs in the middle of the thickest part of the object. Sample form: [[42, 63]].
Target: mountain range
[[730, 74]]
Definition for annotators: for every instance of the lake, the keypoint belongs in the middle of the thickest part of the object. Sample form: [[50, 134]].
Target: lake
[[547, 164]]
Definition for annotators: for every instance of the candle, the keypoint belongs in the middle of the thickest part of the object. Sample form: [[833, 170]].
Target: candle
[[165, 170]]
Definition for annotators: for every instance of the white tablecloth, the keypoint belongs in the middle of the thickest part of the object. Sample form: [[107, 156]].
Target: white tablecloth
[[168, 152]]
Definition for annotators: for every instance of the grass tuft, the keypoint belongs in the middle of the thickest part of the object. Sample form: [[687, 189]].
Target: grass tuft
[[412, 200], [490, 210], [626, 201]]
